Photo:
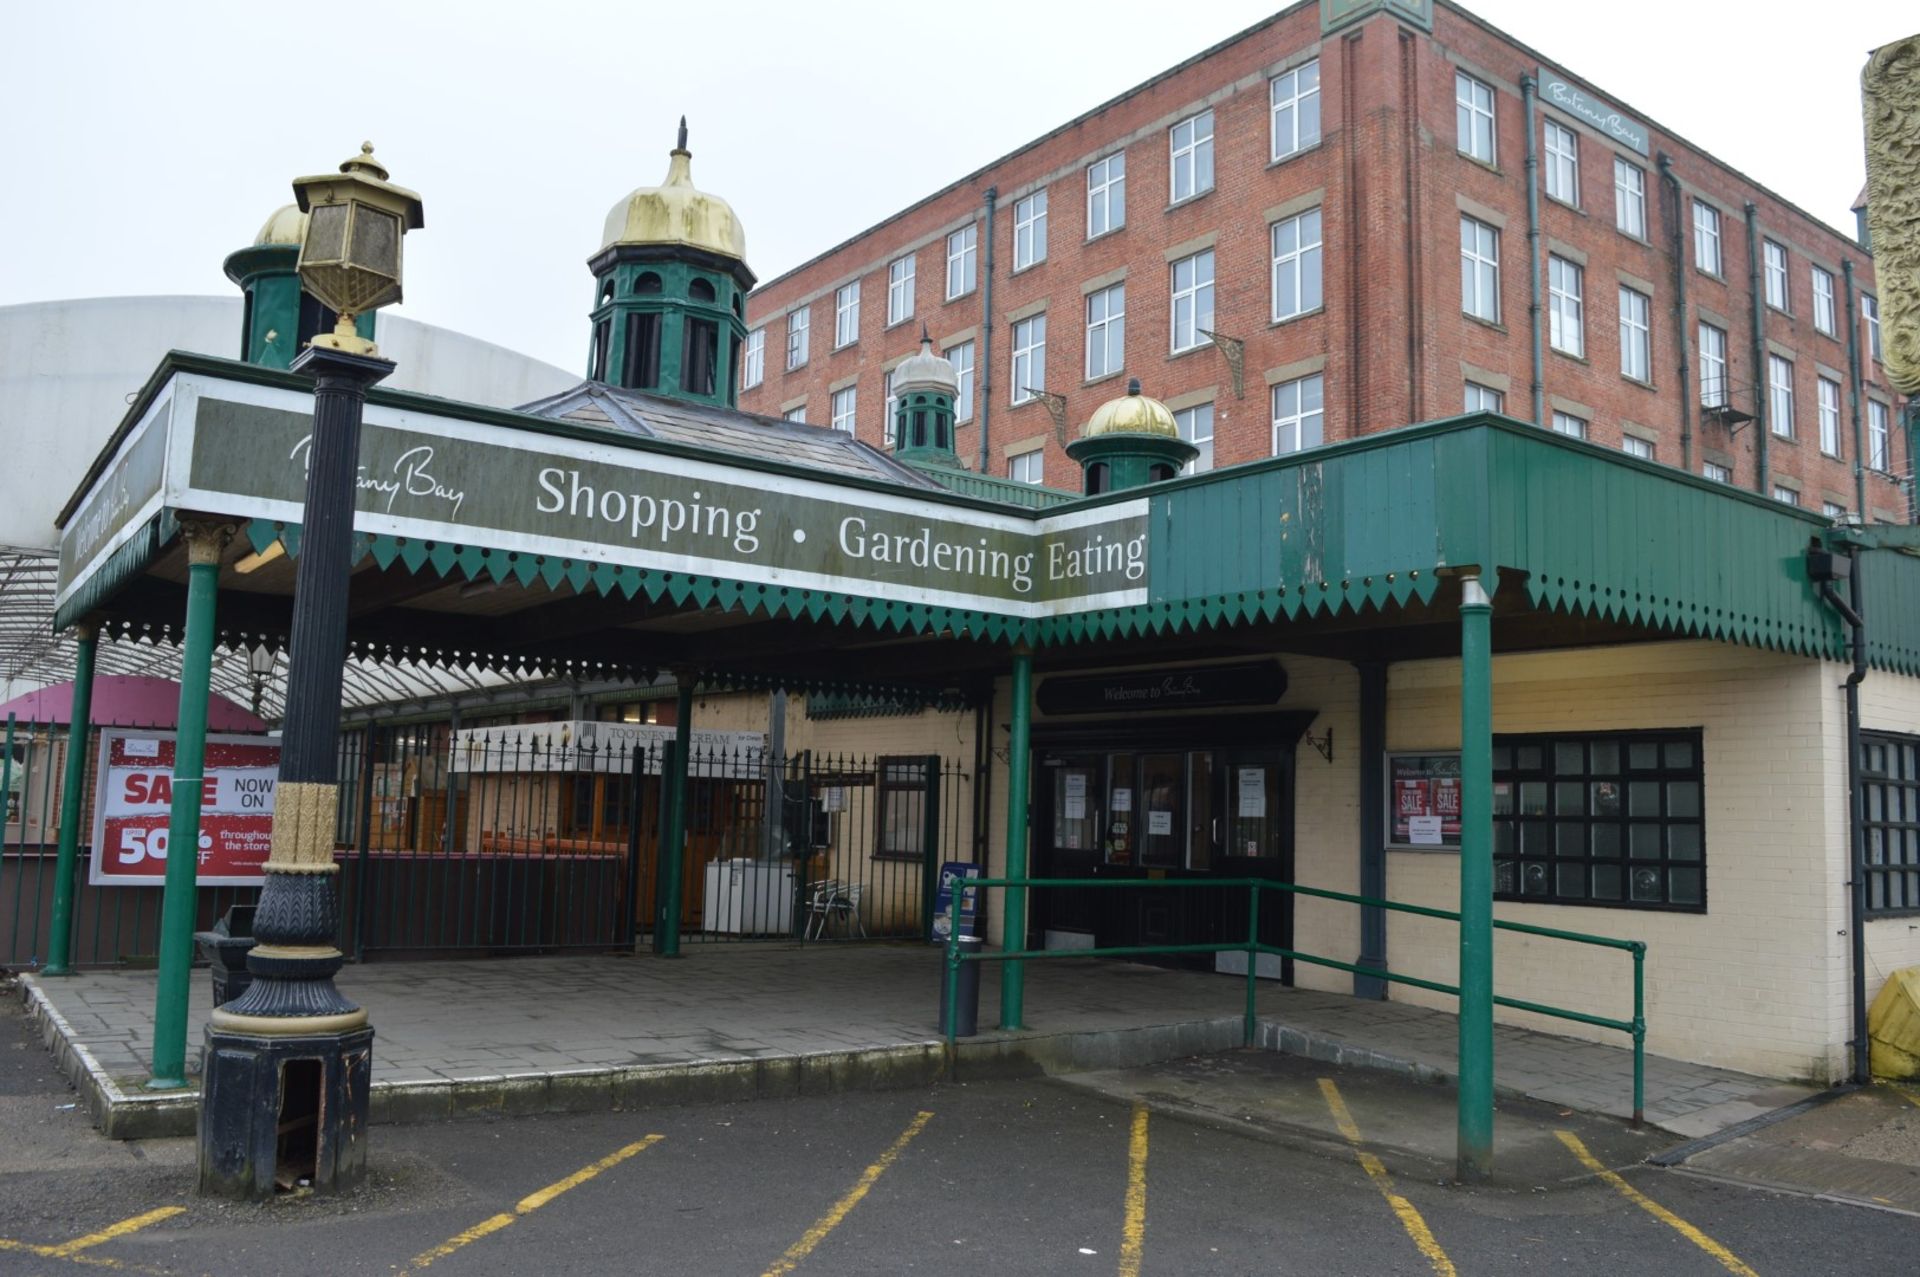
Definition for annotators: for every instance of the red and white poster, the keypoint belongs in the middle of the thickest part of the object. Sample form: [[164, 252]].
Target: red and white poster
[[1424, 790], [133, 804]]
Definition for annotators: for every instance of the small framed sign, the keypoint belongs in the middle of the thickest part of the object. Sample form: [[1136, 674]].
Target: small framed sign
[[1423, 800]]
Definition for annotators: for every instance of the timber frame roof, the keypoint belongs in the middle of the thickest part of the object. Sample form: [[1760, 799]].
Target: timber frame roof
[[1341, 549]]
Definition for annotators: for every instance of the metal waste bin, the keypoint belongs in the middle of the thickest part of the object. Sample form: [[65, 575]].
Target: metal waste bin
[[225, 948], [968, 1022]]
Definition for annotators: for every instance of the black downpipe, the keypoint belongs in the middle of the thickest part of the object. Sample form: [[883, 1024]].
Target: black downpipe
[[1853, 614], [1538, 385], [1373, 827], [1672, 211], [982, 776], [984, 363], [1761, 426], [1852, 322]]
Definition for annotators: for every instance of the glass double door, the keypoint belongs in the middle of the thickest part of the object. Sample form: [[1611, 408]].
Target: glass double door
[[1162, 813]]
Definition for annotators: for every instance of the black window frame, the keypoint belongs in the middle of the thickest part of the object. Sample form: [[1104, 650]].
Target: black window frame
[[1515, 855], [910, 775], [1890, 801]]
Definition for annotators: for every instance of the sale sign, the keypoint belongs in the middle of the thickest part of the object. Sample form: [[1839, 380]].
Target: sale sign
[[133, 805]]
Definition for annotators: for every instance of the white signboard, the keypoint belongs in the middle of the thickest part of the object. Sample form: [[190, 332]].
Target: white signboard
[[583, 745]]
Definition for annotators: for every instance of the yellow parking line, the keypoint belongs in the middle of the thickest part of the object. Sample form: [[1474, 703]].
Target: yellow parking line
[[1133, 1232], [1408, 1214], [1728, 1260], [120, 1229], [831, 1220], [528, 1204]]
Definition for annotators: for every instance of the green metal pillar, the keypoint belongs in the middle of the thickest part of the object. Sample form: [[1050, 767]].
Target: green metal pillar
[[673, 843], [179, 901], [72, 799], [1474, 1158], [1013, 908]]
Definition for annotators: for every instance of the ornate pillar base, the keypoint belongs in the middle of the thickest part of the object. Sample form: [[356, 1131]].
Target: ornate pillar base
[[284, 1113]]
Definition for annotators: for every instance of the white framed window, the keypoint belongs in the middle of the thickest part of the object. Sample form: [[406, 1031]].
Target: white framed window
[[1879, 435], [1106, 331], [797, 324], [1780, 396], [753, 359], [1565, 423], [846, 315], [1833, 510], [1473, 117], [1027, 467], [1774, 256], [1030, 230], [1190, 155], [1479, 270], [900, 273], [1299, 415], [1563, 164], [1029, 357], [1636, 335], [1192, 301], [1196, 427], [1715, 471], [1713, 366], [1107, 194], [1785, 495], [796, 415], [891, 409], [1706, 238], [1566, 323], [963, 261], [1823, 307], [1870, 311], [845, 404], [1484, 398], [1635, 446], [1296, 265], [1629, 198], [961, 357], [1295, 101], [1828, 394]]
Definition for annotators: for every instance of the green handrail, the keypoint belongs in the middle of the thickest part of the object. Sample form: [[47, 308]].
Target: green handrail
[[1636, 1028]]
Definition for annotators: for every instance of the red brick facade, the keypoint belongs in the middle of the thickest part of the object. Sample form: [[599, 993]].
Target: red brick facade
[[1390, 339]]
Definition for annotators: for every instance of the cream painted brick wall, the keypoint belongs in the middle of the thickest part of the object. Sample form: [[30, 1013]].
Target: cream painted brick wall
[[1746, 985]]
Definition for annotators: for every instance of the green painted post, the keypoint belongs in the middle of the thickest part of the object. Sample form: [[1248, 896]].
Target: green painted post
[[666, 932], [179, 900], [1474, 1158], [6, 785], [72, 799], [1639, 1033], [1013, 907]]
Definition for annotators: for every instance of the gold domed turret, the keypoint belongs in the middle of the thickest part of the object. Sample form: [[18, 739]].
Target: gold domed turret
[[1131, 414], [676, 212], [288, 225]]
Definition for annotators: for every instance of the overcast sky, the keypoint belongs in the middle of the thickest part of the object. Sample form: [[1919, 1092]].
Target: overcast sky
[[145, 141]]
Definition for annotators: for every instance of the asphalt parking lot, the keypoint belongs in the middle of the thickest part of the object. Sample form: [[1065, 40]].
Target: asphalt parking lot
[[1240, 1164]]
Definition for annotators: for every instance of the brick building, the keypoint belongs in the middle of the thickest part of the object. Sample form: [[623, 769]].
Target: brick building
[[1330, 224]]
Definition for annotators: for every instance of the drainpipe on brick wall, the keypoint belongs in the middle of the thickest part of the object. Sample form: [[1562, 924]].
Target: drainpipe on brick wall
[[1682, 337], [1538, 385], [1853, 614], [983, 404], [1761, 383], [1853, 389]]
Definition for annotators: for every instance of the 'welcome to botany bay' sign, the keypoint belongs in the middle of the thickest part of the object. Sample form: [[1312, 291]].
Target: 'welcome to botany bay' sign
[[240, 449]]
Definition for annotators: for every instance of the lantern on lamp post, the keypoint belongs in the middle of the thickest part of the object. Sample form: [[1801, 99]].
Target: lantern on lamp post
[[291, 1054]]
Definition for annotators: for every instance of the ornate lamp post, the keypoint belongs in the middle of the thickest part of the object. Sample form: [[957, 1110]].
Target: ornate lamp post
[[289, 1061]]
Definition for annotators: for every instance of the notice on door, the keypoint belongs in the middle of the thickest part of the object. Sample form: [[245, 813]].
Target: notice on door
[[1123, 800], [1074, 795], [1253, 793], [133, 805], [1159, 823]]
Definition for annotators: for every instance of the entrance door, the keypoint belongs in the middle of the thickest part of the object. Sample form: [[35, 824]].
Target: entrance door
[[1253, 838], [1067, 842]]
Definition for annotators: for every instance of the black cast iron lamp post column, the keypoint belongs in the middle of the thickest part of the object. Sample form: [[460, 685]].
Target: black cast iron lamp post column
[[289, 1061]]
